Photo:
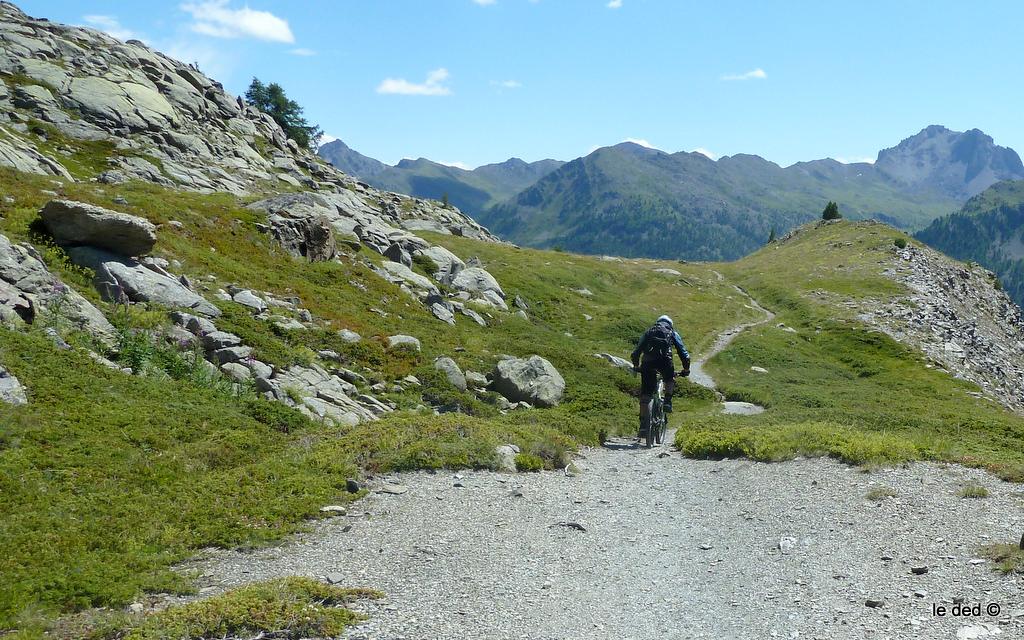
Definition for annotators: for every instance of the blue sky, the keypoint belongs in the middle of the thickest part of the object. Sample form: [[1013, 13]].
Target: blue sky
[[478, 81]]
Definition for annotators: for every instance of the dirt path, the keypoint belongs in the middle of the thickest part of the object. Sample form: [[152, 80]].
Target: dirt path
[[699, 376], [672, 548], [642, 543]]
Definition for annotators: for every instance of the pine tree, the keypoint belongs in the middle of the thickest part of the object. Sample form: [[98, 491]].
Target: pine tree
[[771, 236], [831, 212], [271, 100]]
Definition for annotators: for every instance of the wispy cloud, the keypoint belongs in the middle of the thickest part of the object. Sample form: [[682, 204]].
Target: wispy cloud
[[614, 4], [110, 26], [211, 60], [215, 18], [432, 86], [756, 74], [704, 152], [302, 51], [484, 3], [507, 84], [327, 138]]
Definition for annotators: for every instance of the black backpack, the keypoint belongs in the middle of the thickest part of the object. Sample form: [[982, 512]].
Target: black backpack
[[658, 340]]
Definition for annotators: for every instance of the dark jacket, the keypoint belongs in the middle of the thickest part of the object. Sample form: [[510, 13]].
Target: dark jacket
[[677, 340]]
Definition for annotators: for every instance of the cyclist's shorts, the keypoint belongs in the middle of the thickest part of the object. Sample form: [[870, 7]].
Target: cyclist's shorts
[[649, 375]]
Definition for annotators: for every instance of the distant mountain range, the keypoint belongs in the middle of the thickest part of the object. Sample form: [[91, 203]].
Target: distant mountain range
[[635, 201], [989, 230], [471, 191]]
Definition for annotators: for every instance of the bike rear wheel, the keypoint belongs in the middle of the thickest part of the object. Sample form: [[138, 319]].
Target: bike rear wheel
[[657, 416]]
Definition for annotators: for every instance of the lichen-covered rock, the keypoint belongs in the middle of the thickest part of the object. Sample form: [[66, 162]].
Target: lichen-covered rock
[[79, 224], [403, 342], [452, 372], [28, 292], [11, 390], [121, 279], [533, 380]]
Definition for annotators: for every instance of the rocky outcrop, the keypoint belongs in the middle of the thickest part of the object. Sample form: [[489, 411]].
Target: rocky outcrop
[[533, 380], [957, 316], [77, 224], [11, 391], [29, 293], [171, 125], [121, 280]]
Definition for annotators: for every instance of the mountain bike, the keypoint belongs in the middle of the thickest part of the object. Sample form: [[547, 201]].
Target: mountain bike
[[654, 433]]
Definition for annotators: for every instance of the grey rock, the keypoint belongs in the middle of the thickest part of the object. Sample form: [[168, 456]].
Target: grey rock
[[80, 224], [29, 292], [452, 372], [533, 380], [220, 340], [237, 371], [251, 300], [11, 391], [414, 279], [404, 342], [349, 336], [442, 312], [231, 354], [476, 380], [447, 264], [474, 316], [120, 279], [477, 280], [621, 363], [260, 369], [506, 457]]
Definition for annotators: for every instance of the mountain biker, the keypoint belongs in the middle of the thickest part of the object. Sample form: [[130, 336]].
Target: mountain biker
[[656, 348]]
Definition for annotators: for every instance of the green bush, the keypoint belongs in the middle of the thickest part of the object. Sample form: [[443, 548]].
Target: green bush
[[901, 243], [529, 462]]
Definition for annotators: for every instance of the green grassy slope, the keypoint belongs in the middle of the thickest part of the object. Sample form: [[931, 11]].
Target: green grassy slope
[[834, 387], [107, 478], [989, 230]]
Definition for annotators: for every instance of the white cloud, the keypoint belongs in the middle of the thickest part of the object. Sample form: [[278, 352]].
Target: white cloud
[[507, 84], [704, 152], [212, 61], [614, 4], [457, 165], [432, 86], [302, 51], [214, 18], [326, 138], [640, 141], [484, 3], [756, 74], [110, 26]]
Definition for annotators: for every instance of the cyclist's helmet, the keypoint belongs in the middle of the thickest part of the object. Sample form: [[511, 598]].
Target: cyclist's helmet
[[666, 319]]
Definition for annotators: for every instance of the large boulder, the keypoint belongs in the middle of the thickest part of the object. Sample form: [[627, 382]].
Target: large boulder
[[121, 279], [533, 380], [477, 280], [310, 237], [28, 291], [451, 370], [448, 265], [80, 224]]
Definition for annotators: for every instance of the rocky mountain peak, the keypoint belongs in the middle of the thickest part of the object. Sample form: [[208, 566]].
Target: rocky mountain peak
[[956, 164]]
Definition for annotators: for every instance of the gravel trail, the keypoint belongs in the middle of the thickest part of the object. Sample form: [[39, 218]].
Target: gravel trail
[[672, 548], [642, 543]]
